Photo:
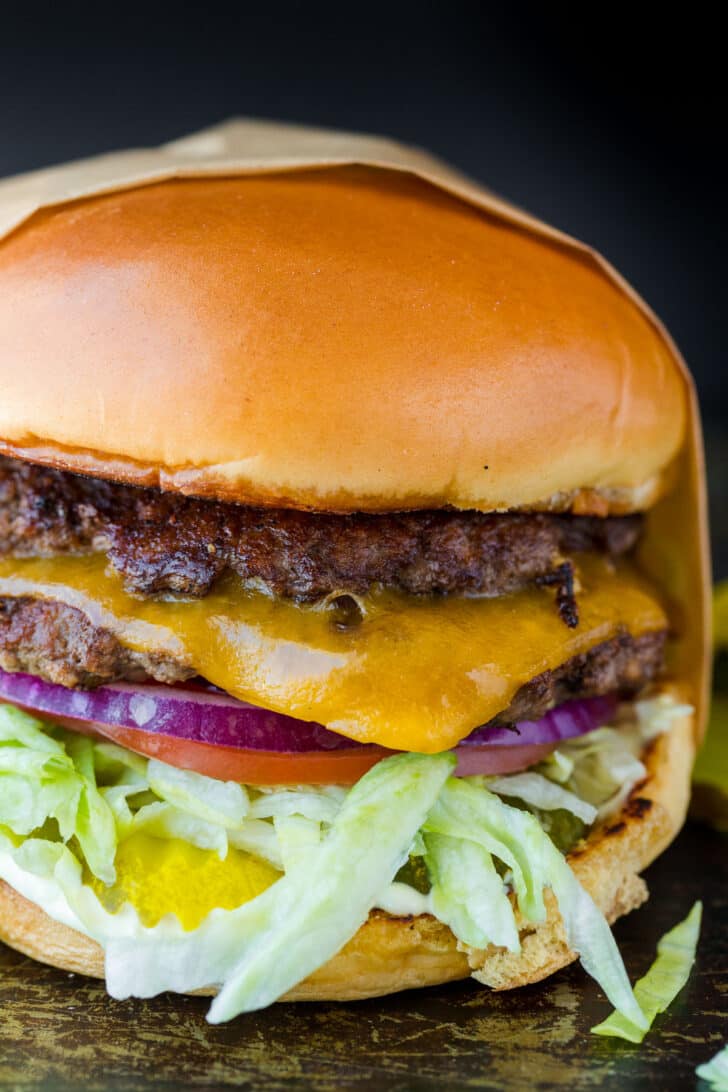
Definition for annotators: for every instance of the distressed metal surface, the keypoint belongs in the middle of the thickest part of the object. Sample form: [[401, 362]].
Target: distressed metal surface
[[60, 1032]]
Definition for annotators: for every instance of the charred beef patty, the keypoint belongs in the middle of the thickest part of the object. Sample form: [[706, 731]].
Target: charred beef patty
[[59, 643], [163, 542]]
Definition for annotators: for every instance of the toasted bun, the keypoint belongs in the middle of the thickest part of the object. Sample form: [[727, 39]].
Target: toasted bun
[[390, 954], [348, 338]]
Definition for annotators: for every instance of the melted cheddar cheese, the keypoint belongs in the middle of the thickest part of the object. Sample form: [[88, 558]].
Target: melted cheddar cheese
[[416, 674], [159, 876]]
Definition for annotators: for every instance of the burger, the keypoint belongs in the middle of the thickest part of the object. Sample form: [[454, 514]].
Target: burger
[[351, 584]]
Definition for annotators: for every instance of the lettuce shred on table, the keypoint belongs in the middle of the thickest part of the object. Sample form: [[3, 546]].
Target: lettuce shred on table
[[657, 989], [715, 1071]]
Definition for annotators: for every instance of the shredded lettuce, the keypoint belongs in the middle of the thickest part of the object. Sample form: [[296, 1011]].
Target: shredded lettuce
[[296, 836], [223, 802], [329, 891], [95, 827], [542, 793], [99, 794], [37, 778], [164, 820], [605, 764], [43, 778], [466, 811], [606, 768], [468, 894], [403, 901], [657, 715], [663, 981], [715, 1072], [114, 763], [588, 778], [259, 838], [417, 849], [262, 949], [557, 767], [317, 806]]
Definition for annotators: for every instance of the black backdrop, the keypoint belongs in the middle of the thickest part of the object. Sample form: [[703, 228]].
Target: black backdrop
[[591, 118]]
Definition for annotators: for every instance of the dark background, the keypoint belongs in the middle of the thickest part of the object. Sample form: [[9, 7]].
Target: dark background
[[598, 120]]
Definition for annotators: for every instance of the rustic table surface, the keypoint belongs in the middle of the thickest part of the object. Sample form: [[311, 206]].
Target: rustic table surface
[[61, 1032]]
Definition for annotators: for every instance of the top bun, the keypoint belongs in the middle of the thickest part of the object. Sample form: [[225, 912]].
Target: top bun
[[341, 339]]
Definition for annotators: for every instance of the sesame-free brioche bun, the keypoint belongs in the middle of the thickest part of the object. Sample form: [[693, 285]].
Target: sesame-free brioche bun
[[390, 954], [341, 338]]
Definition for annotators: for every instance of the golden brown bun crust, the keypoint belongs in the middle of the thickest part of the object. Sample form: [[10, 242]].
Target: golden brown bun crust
[[341, 339], [390, 954]]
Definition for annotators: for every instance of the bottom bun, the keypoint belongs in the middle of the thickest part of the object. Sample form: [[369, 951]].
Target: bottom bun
[[390, 954]]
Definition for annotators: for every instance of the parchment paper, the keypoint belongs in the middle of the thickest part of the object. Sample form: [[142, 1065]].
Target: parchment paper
[[676, 544]]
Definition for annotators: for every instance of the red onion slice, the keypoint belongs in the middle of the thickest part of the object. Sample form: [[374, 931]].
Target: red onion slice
[[196, 715], [573, 718], [184, 712]]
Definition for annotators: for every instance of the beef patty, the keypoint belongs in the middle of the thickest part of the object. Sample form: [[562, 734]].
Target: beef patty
[[163, 542], [59, 643]]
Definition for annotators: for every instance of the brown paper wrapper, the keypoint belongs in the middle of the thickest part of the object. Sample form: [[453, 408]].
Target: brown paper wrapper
[[675, 548]]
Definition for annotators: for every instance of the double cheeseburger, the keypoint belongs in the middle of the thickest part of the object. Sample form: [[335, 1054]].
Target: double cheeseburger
[[350, 590]]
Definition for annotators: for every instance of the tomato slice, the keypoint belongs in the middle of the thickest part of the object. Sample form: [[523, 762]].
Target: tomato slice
[[340, 767]]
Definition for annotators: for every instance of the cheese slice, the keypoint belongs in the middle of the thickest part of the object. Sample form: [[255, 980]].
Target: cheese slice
[[416, 674]]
